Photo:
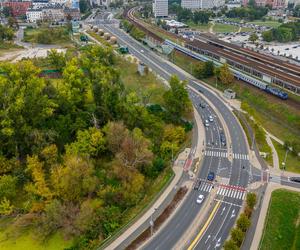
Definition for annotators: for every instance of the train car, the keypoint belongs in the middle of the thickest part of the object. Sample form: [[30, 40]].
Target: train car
[[277, 92]]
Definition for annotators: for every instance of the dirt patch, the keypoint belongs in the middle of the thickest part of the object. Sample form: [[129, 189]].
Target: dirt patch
[[160, 220]]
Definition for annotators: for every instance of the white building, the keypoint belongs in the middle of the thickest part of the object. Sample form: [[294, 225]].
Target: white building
[[160, 8], [233, 4], [202, 4], [34, 15]]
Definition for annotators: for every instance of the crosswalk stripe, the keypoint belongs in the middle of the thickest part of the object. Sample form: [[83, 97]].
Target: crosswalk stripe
[[244, 194], [223, 191], [240, 195], [247, 157], [209, 189], [236, 195], [219, 191]]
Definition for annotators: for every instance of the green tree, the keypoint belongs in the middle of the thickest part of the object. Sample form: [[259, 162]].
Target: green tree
[[6, 208], [237, 235], [90, 142], [251, 200], [176, 99], [83, 6], [115, 132], [243, 222], [7, 186], [74, 179], [226, 77], [57, 59], [230, 245], [7, 12], [253, 37], [268, 36]]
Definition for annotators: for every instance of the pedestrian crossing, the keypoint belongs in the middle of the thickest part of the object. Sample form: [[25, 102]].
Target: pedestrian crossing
[[234, 192], [225, 155], [216, 153]]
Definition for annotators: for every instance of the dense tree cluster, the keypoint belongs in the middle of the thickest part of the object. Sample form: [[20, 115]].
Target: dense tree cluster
[[249, 13], [284, 33], [133, 30], [184, 15], [6, 33], [77, 153]]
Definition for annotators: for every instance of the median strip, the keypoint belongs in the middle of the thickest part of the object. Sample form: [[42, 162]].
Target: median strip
[[205, 226]]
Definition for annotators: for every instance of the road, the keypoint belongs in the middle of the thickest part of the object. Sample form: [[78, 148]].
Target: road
[[234, 175]]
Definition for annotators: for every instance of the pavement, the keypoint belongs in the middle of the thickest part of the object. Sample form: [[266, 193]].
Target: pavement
[[264, 210], [274, 152]]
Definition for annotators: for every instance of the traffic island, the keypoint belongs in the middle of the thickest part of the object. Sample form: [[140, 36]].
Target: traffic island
[[160, 220]]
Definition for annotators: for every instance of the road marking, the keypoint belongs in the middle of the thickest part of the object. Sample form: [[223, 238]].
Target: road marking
[[195, 241], [229, 203]]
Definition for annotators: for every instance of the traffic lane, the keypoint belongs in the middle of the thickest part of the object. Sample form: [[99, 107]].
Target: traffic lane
[[175, 228]]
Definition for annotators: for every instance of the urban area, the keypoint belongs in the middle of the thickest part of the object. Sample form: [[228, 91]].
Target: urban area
[[150, 124]]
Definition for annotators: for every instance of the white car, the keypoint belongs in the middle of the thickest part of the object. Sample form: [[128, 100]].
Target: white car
[[206, 123], [200, 199], [210, 118]]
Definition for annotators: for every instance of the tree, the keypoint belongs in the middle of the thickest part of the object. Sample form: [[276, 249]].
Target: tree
[[268, 36], [57, 59], [5, 207], [90, 142], [135, 150], [74, 179], [226, 77], [83, 6], [243, 222], [176, 99], [237, 235], [230, 245], [7, 186], [115, 132], [39, 186], [251, 200], [7, 11], [253, 37]]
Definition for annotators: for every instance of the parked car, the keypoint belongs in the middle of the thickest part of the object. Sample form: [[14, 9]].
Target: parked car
[[210, 118], [206, 123], [223, 139], [295, 179]]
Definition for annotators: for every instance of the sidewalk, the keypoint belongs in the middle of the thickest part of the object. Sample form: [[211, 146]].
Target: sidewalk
[[274, 152], [263, 213]]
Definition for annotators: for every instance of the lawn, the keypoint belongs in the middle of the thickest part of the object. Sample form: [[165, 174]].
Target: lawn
[[47, 35], [224, 28], [246, 29], [292, 161], [28, 241], [282, 225], [199, 27], [272, 24]]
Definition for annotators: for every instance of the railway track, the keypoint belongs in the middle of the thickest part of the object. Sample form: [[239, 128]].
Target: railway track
[[282, 73]]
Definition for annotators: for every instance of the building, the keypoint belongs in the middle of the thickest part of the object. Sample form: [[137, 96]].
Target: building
[[18, 9], [72, 14], [160, 8], [233, 4], [53, 13], [34, 15], [202, 4], [36, 4], [275, 4]]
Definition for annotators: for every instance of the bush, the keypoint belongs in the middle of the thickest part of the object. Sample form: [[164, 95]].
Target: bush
[[243, 222], [251, 200]]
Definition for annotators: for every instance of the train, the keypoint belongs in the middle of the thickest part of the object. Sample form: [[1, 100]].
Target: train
[[239, 75]]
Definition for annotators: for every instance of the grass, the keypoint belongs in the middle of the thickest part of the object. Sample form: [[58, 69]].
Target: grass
[[99, 38], [282, 225], [199, 27], [292, 161], [272, 24], [28, 241], [246, 29], [8, 47], [224, 28], [47, 35]]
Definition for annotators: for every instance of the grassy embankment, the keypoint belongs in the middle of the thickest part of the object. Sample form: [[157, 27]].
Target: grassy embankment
[[276, 116], [282, 225], [292, 161], [199, 27], [272, 24], [224, 28], [47, 35]]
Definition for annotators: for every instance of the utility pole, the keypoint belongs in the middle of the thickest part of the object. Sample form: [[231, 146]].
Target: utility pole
[[152, 222]]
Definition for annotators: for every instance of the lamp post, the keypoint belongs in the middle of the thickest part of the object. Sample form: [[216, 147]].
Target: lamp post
[[285, 157], [152, 222]]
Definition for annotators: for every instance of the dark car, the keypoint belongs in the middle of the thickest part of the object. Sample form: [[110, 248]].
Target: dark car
[[211, 176], [202, 105], [200, 91], [223, 139], [197, 184], [295, 179]]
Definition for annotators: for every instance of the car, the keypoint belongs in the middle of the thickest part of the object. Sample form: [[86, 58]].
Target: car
[[200, 199], [197, 184], [211, 176], [142, 51], [202, 105], [210, 118], [223, 139], [206, 123], [295, 179], [200, 91]]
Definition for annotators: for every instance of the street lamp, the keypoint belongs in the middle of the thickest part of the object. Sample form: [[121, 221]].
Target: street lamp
[[285, 157], [152, 222]]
